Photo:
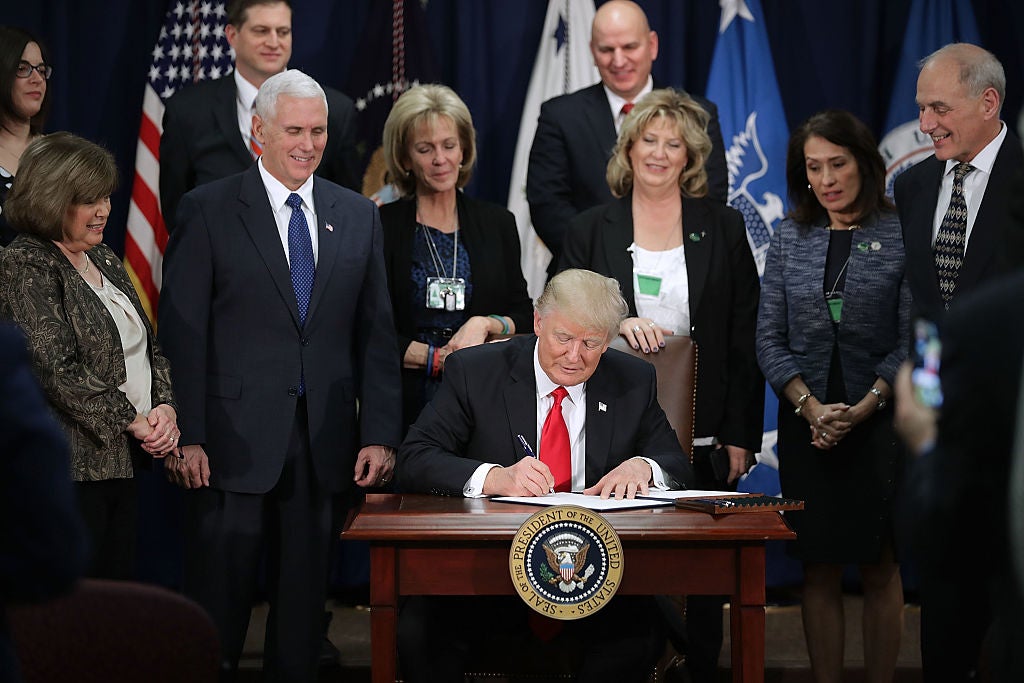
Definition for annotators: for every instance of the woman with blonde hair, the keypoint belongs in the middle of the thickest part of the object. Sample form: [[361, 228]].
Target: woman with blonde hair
[[452, 261], [685, 267]]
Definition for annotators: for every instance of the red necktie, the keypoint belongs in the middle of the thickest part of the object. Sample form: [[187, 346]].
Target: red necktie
[[554, 443], [626, 108]]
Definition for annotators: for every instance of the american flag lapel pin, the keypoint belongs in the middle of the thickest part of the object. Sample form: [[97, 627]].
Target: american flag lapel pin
[[601, 407], [330, 228]]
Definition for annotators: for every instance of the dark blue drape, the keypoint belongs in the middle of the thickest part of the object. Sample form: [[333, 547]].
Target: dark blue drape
[[834, 54], [827, 54]]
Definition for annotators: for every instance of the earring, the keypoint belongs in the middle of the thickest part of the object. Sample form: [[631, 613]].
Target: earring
[[408, 172], [809, 186]]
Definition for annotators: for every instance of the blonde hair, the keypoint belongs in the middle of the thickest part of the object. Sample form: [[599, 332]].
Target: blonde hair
[[426, 104], [587, 298], [56, 172], [691, 121]]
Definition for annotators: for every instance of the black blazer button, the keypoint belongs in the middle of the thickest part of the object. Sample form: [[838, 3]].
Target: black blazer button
[[293, 392], [305, 341]]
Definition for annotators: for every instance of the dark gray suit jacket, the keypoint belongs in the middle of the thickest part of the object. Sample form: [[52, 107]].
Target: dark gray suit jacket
[[795, 333], [489, 396], [569, 157], [995, 247], [201, 142], [229, 323]]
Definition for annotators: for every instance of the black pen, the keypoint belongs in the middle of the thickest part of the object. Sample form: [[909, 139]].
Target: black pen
[[526, 446], [529, 452]]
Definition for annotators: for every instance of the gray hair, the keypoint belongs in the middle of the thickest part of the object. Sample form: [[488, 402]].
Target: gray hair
[[979, 68], [588, 299], [293, 83]]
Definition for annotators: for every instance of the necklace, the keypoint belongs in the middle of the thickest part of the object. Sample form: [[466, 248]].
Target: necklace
[[85, 270], [831, 229]]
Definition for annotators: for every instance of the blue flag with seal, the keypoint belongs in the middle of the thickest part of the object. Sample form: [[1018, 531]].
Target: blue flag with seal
[[931, 24], [742, 83]]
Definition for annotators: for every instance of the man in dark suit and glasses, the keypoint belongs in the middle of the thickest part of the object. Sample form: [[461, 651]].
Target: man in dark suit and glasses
[[276, 319], [207, 127], [953, 206], [576, 132], [592, 417]]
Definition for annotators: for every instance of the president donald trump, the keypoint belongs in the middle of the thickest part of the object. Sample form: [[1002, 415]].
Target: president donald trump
[[276, 319], [591, 416]]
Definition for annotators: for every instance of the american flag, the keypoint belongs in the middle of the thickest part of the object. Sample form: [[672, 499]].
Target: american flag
[[191, 48]]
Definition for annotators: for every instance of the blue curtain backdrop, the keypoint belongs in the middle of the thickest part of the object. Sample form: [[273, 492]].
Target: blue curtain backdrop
[[827, 54], [834, 54]]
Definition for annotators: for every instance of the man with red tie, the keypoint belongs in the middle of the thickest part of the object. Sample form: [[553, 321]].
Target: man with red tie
[[601, 431]]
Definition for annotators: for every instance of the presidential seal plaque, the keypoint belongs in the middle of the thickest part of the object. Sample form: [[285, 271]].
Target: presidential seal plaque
[[566, 562]]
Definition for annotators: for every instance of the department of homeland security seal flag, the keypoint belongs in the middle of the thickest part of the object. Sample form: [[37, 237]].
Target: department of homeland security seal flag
[[742, 83], [931, 24]]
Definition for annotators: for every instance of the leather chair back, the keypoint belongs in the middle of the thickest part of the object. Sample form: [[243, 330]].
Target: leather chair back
[[676, 366]]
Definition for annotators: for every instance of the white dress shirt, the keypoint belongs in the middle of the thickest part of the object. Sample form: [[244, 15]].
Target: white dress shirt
[[615, 102], [278, 195], [974, 185], [245, 96]]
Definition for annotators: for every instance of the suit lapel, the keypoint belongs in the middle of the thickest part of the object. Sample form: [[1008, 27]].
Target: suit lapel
[[258, 218], [520, 396], [919, 235], [618, 230], [328, 240], [598, 117], [987, 235], [226, 114], [698, 241], [599, 424]]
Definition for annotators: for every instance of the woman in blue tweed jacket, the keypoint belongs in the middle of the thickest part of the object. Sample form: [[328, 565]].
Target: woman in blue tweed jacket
[[832, 331]]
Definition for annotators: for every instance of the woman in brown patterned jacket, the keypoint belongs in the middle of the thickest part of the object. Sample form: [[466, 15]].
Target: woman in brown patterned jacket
[[92, 346]]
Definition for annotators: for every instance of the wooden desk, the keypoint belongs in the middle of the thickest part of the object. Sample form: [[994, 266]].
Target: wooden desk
[[430, 545]]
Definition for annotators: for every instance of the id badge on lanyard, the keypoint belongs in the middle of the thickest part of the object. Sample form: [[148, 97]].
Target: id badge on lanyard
[[446, 293]]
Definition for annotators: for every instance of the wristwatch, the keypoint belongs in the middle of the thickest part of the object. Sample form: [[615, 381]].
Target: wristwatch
[[881, 400]]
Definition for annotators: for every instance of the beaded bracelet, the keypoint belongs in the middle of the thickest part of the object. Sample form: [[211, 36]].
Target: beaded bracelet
[[436, 362], [501, 319]]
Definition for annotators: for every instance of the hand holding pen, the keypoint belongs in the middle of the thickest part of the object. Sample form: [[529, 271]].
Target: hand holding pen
[[529, 452], [528, 477]]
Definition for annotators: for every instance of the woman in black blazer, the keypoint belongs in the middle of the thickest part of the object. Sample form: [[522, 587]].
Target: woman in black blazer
[[452, 261], [684, 266]]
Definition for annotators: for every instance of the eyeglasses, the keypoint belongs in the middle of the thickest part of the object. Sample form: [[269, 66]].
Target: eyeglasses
[[25, 69]]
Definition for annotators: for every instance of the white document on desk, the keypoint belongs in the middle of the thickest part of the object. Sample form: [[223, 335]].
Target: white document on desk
[[589, 502]]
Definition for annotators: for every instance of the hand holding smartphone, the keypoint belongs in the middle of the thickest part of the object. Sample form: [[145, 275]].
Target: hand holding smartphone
[[926, 354]]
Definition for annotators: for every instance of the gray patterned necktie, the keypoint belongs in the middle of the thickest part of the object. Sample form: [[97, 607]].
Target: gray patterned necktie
[[951, 241]]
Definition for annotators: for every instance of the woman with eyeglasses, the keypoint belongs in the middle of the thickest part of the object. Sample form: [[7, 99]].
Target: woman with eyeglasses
[[24, 73]]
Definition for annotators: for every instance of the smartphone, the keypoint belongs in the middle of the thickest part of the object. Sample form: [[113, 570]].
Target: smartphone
[[926, 355]]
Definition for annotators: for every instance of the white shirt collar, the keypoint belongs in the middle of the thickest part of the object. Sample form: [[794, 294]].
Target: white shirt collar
[[986, 158], [545, 386], [615, 102], [278, 193], [246, 91]]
